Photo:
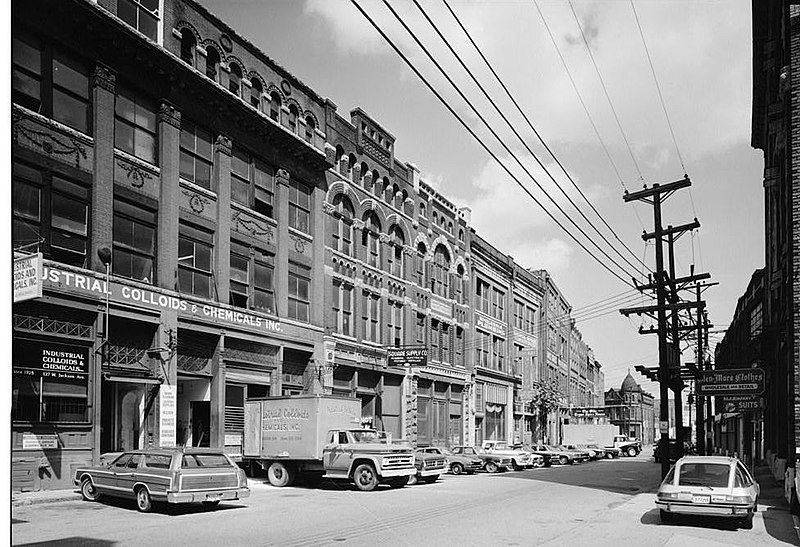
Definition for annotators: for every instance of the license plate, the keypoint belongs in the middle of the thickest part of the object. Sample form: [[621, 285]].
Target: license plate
[[701, 499]]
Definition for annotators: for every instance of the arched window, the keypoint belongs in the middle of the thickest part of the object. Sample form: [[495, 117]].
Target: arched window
[[350, 164], [459, 283], [342, 236], [370, 238], [395, 258], [387, 190], [310, 126], [275, 106], [188, 46], [419, 264], [435, 217], [397, 197], [450, 226], [421, 209], [339, 152], [440, 276], [364, 171], [376, 183], [212, 63], [292, 121], [255, 93], [235, 80], [461, 234]]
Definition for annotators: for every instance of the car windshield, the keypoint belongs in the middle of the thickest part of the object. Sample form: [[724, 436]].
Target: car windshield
[[550, 447], [369, 436], [714, 475], [204, 460], [500, 446]]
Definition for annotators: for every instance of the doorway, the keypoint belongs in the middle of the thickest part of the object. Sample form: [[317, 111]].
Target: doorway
[[201, 423], [121, 422]]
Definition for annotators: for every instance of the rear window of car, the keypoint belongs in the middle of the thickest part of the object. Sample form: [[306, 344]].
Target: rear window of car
[[714, 475], [204, 460], [157, 461]]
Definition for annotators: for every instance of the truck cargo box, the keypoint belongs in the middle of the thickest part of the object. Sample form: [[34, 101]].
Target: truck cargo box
[[295, 427], [600, 434]]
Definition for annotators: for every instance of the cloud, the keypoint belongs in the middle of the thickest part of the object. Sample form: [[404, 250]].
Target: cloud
[[590, 28]]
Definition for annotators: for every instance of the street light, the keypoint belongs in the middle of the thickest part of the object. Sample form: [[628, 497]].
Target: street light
[[104, 254]]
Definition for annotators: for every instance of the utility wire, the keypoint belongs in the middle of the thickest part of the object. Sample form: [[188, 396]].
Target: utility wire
[[530, 124], [486, 147], [605, 90]]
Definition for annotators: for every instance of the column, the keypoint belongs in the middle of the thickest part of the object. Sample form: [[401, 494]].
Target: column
[[282, 258], [358, 229], [169, 135], [217, 404], [222, 236], [318, 302], [103, 84]]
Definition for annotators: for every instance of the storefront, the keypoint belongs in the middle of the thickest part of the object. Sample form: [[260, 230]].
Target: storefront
[[439, 413], [493, 411]]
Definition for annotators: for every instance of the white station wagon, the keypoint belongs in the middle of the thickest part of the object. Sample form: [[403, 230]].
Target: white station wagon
[[718, 486]]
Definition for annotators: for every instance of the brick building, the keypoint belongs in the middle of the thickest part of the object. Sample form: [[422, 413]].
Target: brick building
[[632, 409]]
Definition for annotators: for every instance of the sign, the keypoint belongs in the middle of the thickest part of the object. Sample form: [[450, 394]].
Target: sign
[[741, 403], [663, 426], [31, 441], [95, 285], [588, 412], [28, 277], [43, 359], [736, 381], [441, 307], [167, 415], [233, 439], [490, 325], [409, 356]]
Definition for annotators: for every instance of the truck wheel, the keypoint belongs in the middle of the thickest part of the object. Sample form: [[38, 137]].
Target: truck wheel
[[609, 456], [413, 479], [365, 477], [398, 482], [456, 468], [491, 467], [516, 466], [279, 474], [632, 451], [563, 460]]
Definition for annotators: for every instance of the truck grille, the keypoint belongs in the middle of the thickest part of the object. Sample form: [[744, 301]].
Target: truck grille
[[208, 482], [434, 463], [398, 462]]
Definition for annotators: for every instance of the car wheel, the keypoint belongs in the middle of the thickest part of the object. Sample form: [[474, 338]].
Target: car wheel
[[538, 464], [412, 480], [365, 477], [516, 467], [143, 501], [491, 467], [609, 456], [398, 482], [632, 451], [88, 490], [456, 469], [563, 460], [666, 516], [279, 474], [210, 504]]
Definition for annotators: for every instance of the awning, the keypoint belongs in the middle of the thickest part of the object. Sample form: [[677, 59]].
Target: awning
[[247, 377], [495, 393], [131, 379]]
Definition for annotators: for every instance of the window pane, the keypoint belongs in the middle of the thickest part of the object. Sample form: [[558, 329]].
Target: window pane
[[187, 136], [202, 258], [70, 75], [124, 107], [70, 111], [144, 238], [24, 398], [303, 289], [187, 166], [145, 146], [145, 116], [263, 276], [126, 11], [239, 268], [202, 174], [123, 136], [202, 285], [203, 143], [27, 90], [185, 251], [70, 242], [264, 301], [26, 200], [123, 231], [184, 280], [240, 192], [240, 164], [69, 214], [148, 25], [26, 54]]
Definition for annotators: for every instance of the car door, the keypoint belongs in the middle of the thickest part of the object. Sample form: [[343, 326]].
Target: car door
[[126, 476], [105, 480], [338, 454]]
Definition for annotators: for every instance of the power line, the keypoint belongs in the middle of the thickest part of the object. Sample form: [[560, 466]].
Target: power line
[[483, 144], [503, 144], [530, 124], [605, 90]]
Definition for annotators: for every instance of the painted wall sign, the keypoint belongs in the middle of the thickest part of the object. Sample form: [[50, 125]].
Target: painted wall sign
[[95, 284], [51, 361], [490, 325], [411, 356], [31, 441], [167, 415], [735, 381], [27, 277]]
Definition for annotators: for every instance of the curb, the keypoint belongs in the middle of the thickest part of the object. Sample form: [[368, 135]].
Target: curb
[[796, 521], [36, 500]]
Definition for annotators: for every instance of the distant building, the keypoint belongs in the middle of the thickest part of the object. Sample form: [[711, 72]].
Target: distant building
[[632, 409]]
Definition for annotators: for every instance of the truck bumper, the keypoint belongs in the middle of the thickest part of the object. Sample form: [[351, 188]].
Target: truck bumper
[[208, 495], [388, 473], [431, 472]]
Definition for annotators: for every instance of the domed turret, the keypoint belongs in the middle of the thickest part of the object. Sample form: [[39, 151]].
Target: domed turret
[[629, 384]]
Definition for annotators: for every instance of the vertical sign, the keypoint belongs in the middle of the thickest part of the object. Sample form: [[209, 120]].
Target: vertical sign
[[28, 277], [167, 418]]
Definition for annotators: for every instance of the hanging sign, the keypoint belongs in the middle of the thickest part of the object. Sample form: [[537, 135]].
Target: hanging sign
[[167, 415], [735, 381], [28, 277], [409, 356]]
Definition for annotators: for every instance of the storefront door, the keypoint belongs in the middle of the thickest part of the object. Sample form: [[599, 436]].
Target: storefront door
[[122, 416], [201, 423]]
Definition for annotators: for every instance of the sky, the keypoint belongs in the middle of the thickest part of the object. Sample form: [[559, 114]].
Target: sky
[[701, 54]]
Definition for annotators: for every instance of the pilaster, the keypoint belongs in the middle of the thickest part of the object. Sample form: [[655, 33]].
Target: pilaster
[[169, 135], [318, 217], [222, 236], [103, 84], [282, 259]]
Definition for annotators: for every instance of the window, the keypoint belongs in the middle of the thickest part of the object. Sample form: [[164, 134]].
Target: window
[[299, 206], [756, 321], [343, 307], [370, 308], [263, 282], [483, 344], [395, 323], [342, 234], [188, 47], [395, 258], [157, 461], [444, 354], [370, 238], [239, 295], [212, 63], [255, 93], [263, 183], [134, 241], [27, 205], [498, 304], [440, 280], [310, 126], [66, 98], [194, 261], [419, 264], [459, 284], [142, 15], [291, 121], [458, 347], [251, 278], [135, 125], [196, 154], [434, 338], [275, 106], [299, 299], [420, 328], [235, 79], [482, 292], [240, 176]]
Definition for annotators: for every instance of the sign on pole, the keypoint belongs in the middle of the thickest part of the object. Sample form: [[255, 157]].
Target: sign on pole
[[27, 277], [407, 356], [741, 403], [735, 381], [167, 416]]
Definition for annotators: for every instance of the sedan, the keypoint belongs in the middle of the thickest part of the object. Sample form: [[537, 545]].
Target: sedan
[[564, 457], [457, 463], [171, 475], [718, 486], [492, 463]]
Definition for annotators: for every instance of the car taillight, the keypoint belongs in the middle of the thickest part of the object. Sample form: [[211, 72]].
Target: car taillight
[[242, 478], [738, 499], [667, 495]]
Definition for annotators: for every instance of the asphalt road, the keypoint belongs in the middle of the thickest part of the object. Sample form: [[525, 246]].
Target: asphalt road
[[596, 503]]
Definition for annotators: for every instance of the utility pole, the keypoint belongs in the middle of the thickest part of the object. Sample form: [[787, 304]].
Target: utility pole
[[709, 410], [700, 424], [677, 383]]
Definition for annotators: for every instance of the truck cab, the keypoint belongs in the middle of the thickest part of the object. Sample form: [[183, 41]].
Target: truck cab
[[367, 457], [629, 447]]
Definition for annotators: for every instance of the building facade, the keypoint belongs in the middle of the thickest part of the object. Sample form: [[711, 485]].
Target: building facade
[[632, 410]]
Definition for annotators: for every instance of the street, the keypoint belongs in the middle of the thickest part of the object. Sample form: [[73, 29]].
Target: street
[[599, 503]]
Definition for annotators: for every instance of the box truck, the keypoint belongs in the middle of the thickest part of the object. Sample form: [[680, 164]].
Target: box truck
[[604, 435], [321, 435]]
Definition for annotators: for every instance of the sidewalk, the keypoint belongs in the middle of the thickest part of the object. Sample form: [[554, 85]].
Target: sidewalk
[[19, 499], [773, 506]]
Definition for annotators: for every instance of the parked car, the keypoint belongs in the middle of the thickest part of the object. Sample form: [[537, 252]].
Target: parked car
[[457, 463], [546, 458], [520, 458], [429, 466], [171, 475], [718, 486], [595, 452], [611, 451], [492, 463], [579, 455], [556, 455]]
